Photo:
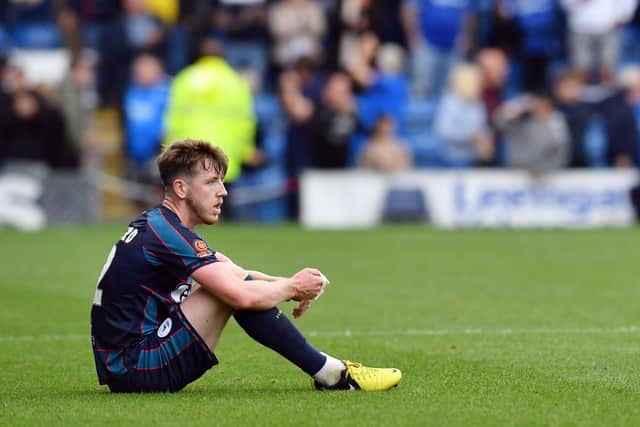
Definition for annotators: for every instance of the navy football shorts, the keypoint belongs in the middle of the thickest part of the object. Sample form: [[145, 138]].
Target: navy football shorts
[[166, 360]]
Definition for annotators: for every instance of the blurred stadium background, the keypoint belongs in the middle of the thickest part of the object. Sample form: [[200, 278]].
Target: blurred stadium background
[[505, 101], [380, 121]]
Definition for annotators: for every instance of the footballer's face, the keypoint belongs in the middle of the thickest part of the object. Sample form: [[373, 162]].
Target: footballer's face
[[205, 194]]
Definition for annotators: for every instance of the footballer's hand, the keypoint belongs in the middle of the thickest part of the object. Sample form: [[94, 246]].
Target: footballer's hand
[[301, 308], [308, 284]]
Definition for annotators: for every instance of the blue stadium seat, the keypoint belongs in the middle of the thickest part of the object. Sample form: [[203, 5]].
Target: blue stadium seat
[[424, 144], [421, 112], [425, 147], [262, 191], [404, 204], [260, 195], [271, 118]]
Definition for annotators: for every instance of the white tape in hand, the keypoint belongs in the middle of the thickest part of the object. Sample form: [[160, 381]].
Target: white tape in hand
[[325, 282]]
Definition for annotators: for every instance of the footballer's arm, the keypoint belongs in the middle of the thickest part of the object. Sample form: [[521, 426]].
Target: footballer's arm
[[223, 280], [255, 275]]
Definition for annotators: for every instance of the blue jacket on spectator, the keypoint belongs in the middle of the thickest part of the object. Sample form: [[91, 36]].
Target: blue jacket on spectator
[[144, 109], [441, 21], [537, 21], [387, 96]]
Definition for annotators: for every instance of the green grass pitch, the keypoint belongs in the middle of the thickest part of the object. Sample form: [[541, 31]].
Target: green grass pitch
[[488, 327]]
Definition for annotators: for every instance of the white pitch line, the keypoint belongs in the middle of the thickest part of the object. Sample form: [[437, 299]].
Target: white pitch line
[[480, 331], [69, 337], [406, 332]]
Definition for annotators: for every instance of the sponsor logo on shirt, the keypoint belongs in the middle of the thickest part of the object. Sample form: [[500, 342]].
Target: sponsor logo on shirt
[[202, 249], [181, 292]]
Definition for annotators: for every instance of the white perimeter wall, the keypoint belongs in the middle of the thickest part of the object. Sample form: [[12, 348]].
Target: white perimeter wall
[[473, 198]]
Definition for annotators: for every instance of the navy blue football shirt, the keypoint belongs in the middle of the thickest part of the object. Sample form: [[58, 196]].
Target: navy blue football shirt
[[146, 275]]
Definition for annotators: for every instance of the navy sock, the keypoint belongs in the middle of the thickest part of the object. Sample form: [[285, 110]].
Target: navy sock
[[273, 329]]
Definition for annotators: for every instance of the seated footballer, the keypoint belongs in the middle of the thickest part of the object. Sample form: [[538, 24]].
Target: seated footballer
[[164, 296]]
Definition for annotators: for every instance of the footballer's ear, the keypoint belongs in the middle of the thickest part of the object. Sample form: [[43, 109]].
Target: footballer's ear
[[180, 188]]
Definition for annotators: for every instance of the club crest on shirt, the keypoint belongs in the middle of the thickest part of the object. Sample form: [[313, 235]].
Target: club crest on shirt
[[165, 328], [202, 249]]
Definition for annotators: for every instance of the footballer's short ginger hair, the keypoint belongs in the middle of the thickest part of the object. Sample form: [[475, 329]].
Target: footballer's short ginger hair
[[181, 157]]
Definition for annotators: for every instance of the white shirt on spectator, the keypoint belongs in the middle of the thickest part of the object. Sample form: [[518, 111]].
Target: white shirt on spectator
[[598, 16]]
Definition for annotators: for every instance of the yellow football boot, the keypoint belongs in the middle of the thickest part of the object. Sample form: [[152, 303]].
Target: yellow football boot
[[358, 377]]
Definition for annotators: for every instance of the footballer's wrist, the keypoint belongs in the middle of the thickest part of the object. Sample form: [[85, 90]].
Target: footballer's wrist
[[293, 288]]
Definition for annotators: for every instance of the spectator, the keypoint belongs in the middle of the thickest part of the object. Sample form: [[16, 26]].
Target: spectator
[[504, 32], [386, 22], [620, 128], [297, 28], [35, 138], [384, 89], [76, 98], [629, 80], [333, 123], [595, 34], [300, 89], [144, 105], [167, 11], [212, 102], [379, 74], [134, 32], [384, 151], [355, 21], [90, 18], [348, 20], [461, 120], [536, 20], [438, 33], [70, 31], [568, 89], [243, 28], [176, 36], [537, 135], [32, 24], [192, 24], [494, 68], [482, 23]]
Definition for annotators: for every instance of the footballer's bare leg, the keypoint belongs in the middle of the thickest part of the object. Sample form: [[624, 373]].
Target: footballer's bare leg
[[207, 314]]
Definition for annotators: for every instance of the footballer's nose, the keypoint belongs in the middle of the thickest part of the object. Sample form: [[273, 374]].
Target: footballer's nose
[[223, 191]]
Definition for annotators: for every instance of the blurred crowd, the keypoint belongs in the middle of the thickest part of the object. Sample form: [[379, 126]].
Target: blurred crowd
[[385, 85]]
